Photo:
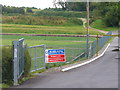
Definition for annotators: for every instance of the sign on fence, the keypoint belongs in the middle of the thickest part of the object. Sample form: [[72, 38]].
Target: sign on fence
[[55, 55]]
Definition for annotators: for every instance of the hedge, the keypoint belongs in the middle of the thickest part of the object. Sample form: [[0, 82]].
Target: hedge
[[27, 62], [7, 71], [7, 64]]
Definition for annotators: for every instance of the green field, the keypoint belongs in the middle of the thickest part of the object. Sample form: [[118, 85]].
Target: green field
[[73, 45], [40, 29], [72, 48], [47, 38], [49, 41]]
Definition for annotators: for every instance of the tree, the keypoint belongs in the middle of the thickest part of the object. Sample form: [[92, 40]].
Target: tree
[[110, 12], [8, 9], [76, 6], [21, 10], [63, 5], [29, 10]]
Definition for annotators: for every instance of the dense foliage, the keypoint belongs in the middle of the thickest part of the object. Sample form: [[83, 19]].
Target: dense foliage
[[41, 20], [19, 10], [27, 63], [76, 6], [108, 11], [51, 12], [7, 64], [8, 9], [111, 13]]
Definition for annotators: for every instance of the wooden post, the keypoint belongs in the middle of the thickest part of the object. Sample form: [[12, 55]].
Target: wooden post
[[97, 45]]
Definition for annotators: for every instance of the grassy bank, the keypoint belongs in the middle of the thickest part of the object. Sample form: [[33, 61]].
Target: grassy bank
[[40, 20], [40, 29], [99, 24]]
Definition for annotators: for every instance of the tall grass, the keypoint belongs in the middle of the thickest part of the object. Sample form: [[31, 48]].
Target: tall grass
[[38, 29], [41, 20], [99, 24]]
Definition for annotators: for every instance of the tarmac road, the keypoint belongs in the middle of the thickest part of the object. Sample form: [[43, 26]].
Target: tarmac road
[[102, 73]]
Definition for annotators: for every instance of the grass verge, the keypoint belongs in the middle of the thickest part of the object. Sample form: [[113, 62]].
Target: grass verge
[[99, 24], [4, 86]]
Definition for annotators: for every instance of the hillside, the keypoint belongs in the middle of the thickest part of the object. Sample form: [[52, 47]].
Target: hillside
[[99, 24]]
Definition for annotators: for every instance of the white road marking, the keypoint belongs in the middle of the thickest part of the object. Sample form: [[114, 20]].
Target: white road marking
[[87, 62]]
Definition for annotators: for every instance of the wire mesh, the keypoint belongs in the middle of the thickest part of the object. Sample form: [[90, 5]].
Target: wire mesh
[[101, 42], [74, 47]]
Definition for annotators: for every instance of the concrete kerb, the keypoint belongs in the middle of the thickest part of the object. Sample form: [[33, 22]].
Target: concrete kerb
[[87, 62]]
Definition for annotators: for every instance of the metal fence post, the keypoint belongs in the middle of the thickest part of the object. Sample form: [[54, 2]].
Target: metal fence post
[[18, 60], [15, 62], [44, 57], [35, 58], [90, 50]]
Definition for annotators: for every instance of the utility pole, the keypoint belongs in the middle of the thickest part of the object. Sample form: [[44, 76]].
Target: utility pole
[[87, 31]]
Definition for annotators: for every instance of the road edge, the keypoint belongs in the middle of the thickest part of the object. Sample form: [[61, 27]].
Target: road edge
[[87, 62]]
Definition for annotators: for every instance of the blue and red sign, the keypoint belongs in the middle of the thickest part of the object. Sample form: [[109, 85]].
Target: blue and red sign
[[55, 55]]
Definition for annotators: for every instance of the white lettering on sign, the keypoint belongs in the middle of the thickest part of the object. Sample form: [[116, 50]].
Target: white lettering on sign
[[55, 55]]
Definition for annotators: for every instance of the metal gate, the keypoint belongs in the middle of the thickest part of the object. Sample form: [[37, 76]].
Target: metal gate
[[37, 54], [18, 60]]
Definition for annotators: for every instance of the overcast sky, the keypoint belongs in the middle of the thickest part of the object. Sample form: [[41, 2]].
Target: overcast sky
[[28, 3], [36, 3]]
